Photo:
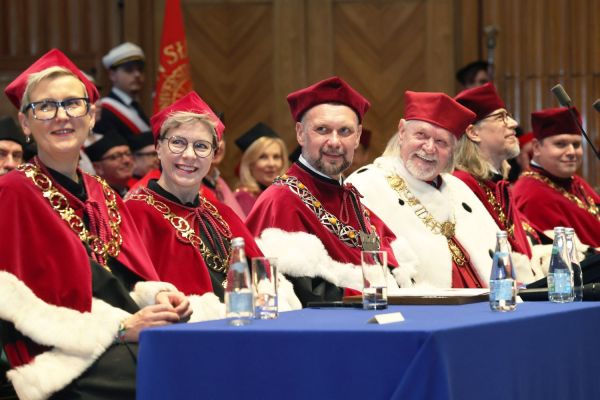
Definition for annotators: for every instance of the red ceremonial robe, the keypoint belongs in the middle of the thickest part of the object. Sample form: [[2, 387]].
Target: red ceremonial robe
[[175, 259], [279, 207], [548, 201], [500, 191], [40, 249]]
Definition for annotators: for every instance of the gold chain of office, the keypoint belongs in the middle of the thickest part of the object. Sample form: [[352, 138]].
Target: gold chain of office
[[60, 204], [590, 207], [491, 198], [446, 229], [187, 233], [346, 233]]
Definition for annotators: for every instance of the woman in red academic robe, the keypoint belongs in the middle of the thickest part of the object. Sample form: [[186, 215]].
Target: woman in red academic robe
[[70, 254], [187, 235]]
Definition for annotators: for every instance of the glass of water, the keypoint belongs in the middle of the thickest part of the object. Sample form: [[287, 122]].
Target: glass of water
[[264, 279], [374, 271]]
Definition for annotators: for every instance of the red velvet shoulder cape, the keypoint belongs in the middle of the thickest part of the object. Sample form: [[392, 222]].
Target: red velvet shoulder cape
[[177, 261], [546, 207], [38, 247], [279, 207]]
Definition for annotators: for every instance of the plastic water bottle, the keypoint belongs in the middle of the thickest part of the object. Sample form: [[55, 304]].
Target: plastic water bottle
[[577, 272], [560, 275], [239, 297], [503, 286]]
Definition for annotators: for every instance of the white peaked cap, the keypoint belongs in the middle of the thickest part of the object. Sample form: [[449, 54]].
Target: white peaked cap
[[121, 54]]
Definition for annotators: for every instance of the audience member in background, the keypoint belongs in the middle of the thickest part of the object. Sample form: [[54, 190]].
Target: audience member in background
[[551, 193], [112, 161], [264, 159], [361, 154], [214, 184], [481, 159], [473, 74], [145, 157], [121, 110], [309, 219], [448, 232], [69, 321], [187, 236], [12, 142]]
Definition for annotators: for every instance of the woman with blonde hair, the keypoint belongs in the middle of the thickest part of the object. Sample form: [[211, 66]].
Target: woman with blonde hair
[[70, 254], [265, 158]]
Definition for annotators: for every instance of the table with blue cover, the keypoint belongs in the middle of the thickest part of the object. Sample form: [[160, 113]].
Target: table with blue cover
[[540, 351]]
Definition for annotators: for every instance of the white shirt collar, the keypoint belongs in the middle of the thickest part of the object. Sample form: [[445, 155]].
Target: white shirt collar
[[122, 95], [303, 161]]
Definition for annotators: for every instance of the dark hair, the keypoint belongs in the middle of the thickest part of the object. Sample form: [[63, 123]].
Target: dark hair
[[467, 74]]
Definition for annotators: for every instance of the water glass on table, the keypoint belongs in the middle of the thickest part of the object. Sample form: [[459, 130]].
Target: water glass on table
[[264, 279], [374, 271]]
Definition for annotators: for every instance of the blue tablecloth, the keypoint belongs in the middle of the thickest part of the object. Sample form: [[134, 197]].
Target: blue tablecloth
[[540, 351]]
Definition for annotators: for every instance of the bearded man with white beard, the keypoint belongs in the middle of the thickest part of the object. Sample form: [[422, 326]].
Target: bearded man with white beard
[[447, 230]]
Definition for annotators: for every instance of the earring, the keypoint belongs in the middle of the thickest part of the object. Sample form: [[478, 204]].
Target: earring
[[27, 139]]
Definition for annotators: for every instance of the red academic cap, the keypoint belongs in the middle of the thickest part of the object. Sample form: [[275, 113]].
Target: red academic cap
[[482, 100], [54, 58], [525, 138], [331, 90], [438, 109], [191, 102], [554, 121]]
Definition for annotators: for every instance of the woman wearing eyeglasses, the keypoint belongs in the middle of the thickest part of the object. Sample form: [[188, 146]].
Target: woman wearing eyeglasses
[[70, 254], [189, 237]]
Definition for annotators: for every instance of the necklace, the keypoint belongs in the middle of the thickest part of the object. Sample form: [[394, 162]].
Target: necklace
[[346, 233], [446, 228], [590, 207], [186, 232], [491, 198], [60, 204]]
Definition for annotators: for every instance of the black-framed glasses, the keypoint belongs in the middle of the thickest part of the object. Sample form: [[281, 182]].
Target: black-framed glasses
[[46, 110], [178, 144], [503, 116], [117, 156]]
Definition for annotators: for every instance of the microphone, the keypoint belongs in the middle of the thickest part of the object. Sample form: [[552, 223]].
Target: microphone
[[563, 98], [561, 95], [596, 105]]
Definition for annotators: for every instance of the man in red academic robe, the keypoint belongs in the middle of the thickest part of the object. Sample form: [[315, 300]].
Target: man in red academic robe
[[309, 218], [551, 194], [481, 163]]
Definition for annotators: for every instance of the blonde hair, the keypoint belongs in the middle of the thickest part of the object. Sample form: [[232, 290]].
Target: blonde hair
[[251, 156], [468, 158], [178, 118], [49, 73]]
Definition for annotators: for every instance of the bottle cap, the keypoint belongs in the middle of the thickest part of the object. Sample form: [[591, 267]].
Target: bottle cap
[[559, 229], [237, 241], [501, 234], [569, 231]]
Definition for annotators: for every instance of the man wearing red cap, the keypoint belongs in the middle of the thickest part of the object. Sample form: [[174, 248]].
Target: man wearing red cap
[[481, 163], [313, 222], [447, 232], [551, 194]]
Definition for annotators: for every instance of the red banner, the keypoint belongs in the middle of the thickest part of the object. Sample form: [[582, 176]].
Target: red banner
[[174, 73]]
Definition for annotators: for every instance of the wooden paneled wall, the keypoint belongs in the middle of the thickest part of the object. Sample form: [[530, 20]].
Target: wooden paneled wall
[[542, 43], [247, 55]]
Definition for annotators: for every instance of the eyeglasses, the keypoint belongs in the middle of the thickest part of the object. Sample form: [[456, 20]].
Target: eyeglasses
[[503, 116], [117, 156], [178, 144], [145, 154], [46, 110]]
